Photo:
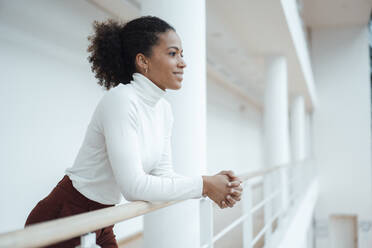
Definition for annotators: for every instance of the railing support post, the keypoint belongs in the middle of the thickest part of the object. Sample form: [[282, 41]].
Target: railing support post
[[284, 189], [268, 209], [296, 183], [206, 222], [88, 241], [248, 222]]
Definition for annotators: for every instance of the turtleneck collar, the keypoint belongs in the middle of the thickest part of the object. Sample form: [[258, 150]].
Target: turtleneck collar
[[146, 89]]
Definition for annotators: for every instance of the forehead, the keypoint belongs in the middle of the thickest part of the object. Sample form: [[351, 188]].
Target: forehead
[[169, 39]]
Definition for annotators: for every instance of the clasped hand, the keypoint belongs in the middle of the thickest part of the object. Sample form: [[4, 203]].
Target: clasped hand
[[223, 188]]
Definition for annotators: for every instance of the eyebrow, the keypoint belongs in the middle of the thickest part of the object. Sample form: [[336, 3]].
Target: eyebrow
[[175, 48]]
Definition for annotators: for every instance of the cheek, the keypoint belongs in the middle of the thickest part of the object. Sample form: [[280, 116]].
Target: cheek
[[162, 66], [165, 70]]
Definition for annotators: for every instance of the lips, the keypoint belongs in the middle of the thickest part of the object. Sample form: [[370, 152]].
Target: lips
[[179, 75]]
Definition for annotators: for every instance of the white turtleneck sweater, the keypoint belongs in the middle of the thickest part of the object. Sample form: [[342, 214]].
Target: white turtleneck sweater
[[127, 149]]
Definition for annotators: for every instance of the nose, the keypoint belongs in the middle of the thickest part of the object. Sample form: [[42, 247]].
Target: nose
[[181, 63]]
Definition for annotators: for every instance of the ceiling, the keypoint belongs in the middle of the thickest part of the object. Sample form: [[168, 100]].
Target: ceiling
[[257, 30], [336, 13], [241, 35]]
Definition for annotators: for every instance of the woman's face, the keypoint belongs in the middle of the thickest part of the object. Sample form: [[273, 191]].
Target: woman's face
[[165, 65]]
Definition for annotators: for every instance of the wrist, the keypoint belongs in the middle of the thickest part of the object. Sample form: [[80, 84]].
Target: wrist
[[205, 185]]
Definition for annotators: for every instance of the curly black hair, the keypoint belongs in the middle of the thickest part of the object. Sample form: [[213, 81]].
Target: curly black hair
[[114, 46]]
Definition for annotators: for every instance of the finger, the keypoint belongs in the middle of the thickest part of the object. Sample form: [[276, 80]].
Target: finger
[[237, 198], [229, 173], [223, 173], [238, 179], [235, 178], [230, 201], [230, 205], [233, 184], [223, 204], [234, 192], [240, 188]]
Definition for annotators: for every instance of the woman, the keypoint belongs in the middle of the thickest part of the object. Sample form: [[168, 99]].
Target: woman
[[127, 150]]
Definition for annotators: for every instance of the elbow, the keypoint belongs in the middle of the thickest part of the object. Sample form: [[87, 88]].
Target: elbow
[[142, 189], [137, 195], [130, 195], [132, 192]]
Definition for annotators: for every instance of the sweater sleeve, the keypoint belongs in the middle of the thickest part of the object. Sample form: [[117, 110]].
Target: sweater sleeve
[[119, 123], [164, 167]]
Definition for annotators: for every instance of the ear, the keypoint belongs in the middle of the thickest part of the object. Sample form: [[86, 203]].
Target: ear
[[141, 62]]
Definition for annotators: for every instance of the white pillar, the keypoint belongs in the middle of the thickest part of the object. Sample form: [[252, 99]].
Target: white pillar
[[179, 225], [298, 129], [276, 131]]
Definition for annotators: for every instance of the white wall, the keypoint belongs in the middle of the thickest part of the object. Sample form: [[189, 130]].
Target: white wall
[[342, 125], [234, 132], [47, 96]]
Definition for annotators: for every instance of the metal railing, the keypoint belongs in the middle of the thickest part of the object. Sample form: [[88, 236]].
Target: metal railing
[[58, 230], [283, 187]]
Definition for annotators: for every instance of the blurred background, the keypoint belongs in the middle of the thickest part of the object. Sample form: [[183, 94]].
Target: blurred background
[[268, 83]]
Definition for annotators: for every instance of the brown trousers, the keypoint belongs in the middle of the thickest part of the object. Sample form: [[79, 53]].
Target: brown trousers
[[65, 200]]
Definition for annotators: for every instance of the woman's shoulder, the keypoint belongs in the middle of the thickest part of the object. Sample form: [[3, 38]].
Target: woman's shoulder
[[123, 93], [121, 98]]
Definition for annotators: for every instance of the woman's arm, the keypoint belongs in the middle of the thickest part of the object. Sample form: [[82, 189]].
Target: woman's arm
[[212, 185]]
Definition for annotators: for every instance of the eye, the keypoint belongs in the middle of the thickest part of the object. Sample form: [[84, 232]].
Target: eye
[[172, 54]]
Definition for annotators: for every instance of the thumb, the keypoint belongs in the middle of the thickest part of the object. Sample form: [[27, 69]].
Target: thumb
[[229, 173]]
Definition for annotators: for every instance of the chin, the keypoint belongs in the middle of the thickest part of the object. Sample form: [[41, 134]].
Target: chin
[[178, 86], [175, 86]]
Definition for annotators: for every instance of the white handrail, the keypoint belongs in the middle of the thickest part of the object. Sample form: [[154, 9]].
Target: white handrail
[[54, 231]]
